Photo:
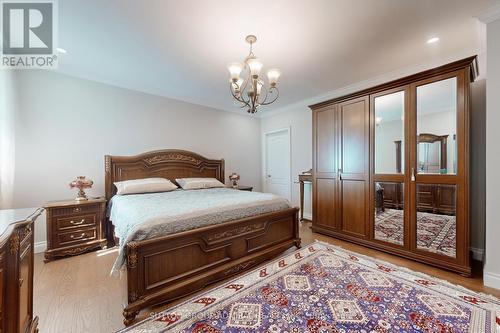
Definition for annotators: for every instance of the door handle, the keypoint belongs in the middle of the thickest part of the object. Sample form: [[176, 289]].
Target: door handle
[[340, 173], [268, 176], [412, 174], [21, 281]]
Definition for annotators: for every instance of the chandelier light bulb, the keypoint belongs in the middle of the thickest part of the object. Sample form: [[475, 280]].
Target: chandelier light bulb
[[273, 76], [234, 71], [255, 66]]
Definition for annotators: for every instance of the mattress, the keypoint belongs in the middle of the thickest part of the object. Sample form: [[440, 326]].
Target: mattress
[[144, 216]]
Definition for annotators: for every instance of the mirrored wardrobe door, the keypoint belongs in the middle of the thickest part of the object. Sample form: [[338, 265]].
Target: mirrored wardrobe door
[[437, 127], [434, 166], [388, 166]]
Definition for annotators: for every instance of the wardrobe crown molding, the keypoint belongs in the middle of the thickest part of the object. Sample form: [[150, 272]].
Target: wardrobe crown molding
[[469, 61]]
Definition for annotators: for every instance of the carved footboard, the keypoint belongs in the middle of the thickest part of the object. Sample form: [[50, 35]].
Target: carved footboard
[[163, 269]]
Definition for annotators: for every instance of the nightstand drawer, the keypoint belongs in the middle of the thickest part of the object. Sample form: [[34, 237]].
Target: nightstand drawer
[[77, 221], [78, 236], [73, 210]]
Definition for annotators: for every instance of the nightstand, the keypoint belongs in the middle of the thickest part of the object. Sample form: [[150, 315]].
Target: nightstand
[[74, 227], [244, 188]]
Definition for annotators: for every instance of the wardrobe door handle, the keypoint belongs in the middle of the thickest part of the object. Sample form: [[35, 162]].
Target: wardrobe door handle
[[340, 174], [412, 174], [21, 281]]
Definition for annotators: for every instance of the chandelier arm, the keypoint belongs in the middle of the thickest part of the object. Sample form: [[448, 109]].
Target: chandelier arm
[[241, 100], [251, 51], [275, 98], [256, 102], [263, 100], [245, 84]]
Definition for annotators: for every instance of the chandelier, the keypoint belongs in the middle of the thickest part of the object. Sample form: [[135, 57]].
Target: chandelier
[[250, 90]]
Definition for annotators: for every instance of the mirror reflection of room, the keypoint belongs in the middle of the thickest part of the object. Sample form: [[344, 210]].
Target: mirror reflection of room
[[389, 159], [436, 127], [389, 212], [436, 220], [389, 133]]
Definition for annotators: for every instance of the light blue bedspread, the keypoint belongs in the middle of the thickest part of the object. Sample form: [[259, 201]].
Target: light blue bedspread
[[144, 216]]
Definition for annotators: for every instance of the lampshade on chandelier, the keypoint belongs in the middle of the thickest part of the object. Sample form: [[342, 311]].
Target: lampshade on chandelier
[[250, 90]]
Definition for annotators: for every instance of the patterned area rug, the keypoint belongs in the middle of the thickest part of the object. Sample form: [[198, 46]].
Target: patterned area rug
[[435, 233], [323, 288]]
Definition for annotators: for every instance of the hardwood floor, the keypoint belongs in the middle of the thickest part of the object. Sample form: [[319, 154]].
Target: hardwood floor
[[78, 294]]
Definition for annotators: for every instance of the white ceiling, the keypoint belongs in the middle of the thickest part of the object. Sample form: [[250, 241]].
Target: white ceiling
[[180, 49]]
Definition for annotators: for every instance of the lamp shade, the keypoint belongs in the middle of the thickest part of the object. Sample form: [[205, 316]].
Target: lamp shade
[[234, 70], [255, 66], [273, 76], [81, 183]]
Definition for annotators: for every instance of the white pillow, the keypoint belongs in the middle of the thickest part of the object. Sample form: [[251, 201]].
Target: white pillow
[[197, 183], [145, 185]]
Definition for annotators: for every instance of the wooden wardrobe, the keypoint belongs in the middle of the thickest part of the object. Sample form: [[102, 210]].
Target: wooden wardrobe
[[391, 166]]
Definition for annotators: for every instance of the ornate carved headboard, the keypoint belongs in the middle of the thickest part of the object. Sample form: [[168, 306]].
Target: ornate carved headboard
[[169, 163]]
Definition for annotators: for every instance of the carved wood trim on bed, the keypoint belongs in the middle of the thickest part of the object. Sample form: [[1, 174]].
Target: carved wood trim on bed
[[168, 163], [165, 268]]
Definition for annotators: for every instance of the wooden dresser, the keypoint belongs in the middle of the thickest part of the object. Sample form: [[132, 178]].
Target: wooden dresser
[[16, 270], [74, 227]]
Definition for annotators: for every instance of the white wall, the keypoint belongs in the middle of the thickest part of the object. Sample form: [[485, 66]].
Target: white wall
[[7, 147], [492, 267], [299, 121], [64, 126]]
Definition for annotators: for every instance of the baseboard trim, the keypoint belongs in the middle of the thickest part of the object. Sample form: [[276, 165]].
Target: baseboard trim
[[491, 280], [40, 247], [477, 254]]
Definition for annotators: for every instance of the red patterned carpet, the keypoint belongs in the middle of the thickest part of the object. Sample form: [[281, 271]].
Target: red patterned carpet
[[435, 233], [323, 288]]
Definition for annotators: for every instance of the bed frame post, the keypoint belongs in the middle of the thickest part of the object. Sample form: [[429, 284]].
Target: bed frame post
[[132, 280]]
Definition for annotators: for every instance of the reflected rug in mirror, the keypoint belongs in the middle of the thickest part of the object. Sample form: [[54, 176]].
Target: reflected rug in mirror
[[435, 232], [324, 288]]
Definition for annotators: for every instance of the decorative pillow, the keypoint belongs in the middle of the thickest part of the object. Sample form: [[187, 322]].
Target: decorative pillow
[[145, 185], [197, 183]]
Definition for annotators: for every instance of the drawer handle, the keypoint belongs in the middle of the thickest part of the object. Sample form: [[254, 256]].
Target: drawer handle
[[77, 237], [77, 209], [76, 222]]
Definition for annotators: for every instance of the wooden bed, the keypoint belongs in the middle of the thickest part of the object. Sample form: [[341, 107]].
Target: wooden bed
[[166, 268]]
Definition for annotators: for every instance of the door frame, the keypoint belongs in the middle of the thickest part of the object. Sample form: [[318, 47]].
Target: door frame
[[289, 159]]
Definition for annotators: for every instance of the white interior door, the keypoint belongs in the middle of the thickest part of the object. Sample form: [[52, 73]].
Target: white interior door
[[277, 163]]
